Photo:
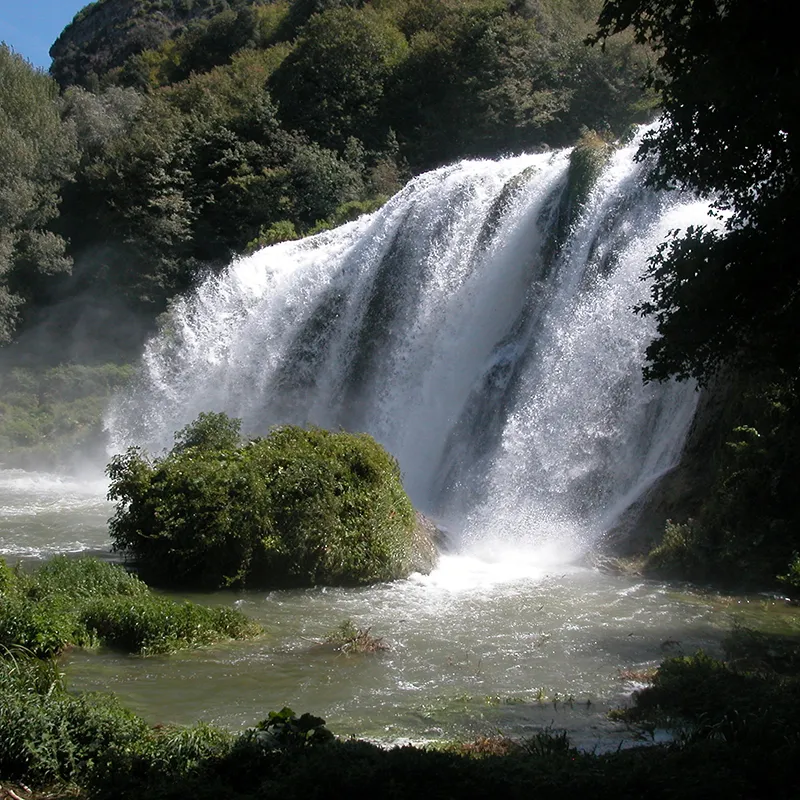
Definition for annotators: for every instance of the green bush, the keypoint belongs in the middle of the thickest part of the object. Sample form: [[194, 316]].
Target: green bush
[[45, 627], [297, 508], [7, 577], [209, 431], [791, 577], [738, 702], [589, 157], [85, 603], [682, 553], [168, 762], [49, 735], [284, 730]]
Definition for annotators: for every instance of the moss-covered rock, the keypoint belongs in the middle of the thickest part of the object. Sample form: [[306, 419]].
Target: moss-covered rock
[[297, 508], [586, 162], [559, 216]]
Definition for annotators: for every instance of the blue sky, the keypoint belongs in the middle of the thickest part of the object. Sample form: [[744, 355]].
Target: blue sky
[[31, 26]]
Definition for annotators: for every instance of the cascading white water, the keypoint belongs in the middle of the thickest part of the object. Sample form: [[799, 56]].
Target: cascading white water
[[491, 350]]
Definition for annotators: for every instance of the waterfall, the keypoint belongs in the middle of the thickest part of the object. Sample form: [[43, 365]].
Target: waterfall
[[479, 325]]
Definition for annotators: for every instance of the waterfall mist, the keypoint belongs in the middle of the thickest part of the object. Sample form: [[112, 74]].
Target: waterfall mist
[[479, 325]]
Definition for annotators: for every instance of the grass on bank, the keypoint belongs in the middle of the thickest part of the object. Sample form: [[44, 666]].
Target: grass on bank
[[88, 603]]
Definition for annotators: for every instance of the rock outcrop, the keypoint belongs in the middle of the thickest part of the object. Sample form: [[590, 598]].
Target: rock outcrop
[[104, 34]]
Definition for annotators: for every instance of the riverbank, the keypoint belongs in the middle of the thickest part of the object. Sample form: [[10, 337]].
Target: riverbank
[[733, 720], [733, 744]]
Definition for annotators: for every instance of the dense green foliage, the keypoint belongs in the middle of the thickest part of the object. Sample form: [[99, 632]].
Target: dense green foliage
[[49, 735], [37, 155], [751, 699], [297, 508], [728, 297], [188, 130], [587, 160], [332, 83], [89, 603], [727, 84], [746, 532]]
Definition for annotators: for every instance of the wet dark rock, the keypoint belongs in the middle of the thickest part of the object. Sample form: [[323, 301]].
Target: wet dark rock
[[428, 541]]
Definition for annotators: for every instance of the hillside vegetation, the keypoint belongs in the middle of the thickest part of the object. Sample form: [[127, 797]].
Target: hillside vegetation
[[187, 132]]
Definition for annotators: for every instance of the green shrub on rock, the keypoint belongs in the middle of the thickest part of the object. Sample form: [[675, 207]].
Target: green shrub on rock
[[296, 508]]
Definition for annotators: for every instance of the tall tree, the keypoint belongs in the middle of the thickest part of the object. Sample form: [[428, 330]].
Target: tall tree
[[37, 155], [332, 84], [729, 80]]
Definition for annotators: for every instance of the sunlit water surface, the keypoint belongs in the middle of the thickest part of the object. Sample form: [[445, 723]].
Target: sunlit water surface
[[501, 642]]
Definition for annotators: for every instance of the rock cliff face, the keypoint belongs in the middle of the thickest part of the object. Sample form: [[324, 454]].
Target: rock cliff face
[[104, 34], [679, 494]]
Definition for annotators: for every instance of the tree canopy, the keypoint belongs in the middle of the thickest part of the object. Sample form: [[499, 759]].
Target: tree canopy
[[190, 131], [332, 83], [37, 155], [727, 76]]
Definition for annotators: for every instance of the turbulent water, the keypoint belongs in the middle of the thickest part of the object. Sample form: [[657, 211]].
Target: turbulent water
[[480, 326], [478, 646], [42, 515]]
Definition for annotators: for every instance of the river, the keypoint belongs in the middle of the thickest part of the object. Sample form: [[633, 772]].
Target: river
[[509, 642]]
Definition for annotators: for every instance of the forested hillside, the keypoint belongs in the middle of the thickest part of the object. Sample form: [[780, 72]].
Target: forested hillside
[[182, 132], [108, 34]]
